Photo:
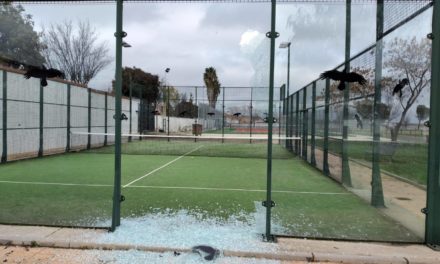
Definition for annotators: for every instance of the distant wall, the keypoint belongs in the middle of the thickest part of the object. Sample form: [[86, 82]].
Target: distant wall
[[36, 120], [182, 125]]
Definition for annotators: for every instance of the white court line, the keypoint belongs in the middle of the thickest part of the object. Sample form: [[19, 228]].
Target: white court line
[[206, 136], [227, 189], [161, 167], [169, 187], [58, 183]]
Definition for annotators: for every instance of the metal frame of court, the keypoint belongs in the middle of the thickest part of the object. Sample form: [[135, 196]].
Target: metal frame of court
[[432, 237]]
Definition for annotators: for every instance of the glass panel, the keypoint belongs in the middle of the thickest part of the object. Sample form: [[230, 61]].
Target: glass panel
[[50, 178], [402, 174]]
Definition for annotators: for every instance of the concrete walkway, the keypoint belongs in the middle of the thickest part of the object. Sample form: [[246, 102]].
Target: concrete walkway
[[44, 244]]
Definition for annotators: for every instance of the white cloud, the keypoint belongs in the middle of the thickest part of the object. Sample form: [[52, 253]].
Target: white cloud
[[249, 41]]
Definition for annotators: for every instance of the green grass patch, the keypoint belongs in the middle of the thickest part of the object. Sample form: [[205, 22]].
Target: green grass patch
[[410, 161]]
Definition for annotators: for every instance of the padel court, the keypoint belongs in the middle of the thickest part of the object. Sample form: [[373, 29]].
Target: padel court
[[205, 178]]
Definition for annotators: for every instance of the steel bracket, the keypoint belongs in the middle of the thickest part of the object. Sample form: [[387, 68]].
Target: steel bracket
[[270, 238], [274, 36], [122, 35], [427, 124], [272, 203]]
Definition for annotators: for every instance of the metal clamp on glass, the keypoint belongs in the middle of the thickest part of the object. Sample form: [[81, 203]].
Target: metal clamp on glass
[[269, 35], [427, 124], [272, 203], [123, 34]]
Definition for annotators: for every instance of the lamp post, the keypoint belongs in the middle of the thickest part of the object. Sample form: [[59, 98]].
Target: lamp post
[[167, 70], [126, 45], [285, 45]]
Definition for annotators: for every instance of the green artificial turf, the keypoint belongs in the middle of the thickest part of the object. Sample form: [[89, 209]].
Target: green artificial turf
[[312, 206], [410, 161]]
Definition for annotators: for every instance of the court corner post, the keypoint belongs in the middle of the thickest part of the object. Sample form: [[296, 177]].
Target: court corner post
[[325, 165], [432, 230], [4, 156], [268, 237], [116, 212], [346, 177], [313, 127], [377, 198]]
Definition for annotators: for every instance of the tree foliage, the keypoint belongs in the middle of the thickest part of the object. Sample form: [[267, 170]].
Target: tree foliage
[[144, 85], [407, 58], [404, 58], [186, 108], [75, 51], [422, 112], [18, 40], [169, 94], [365, 109], [212, 85]]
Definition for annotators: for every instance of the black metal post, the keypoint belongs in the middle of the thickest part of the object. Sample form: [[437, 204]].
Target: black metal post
[[223, 116], [116, 212], [272, 35], [346, 177], [89, 118], [326, 168], [377, 198], [432, 233], [69, 94], [105, 118], [41, 132], [5, 118], [313, 132]]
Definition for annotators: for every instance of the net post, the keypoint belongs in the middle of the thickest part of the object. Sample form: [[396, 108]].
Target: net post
[[286, 114], [68, 117], [346, 177], [250, 125], [377, 198], [168, 111], [292, 117], [297, 144], [313, 132], [105, 118], [197, 117], [131, 111], [279, 113], [4, 117], [116, 211], [41, 126], [89, 116], [305, 124], [325, 166], [223, 116], [272, 35], [141, 117], [432, 230]]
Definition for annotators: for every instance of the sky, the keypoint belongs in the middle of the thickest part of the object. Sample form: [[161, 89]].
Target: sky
[[227, 36]]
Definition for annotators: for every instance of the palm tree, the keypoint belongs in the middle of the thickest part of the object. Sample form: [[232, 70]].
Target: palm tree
[[212, 85]]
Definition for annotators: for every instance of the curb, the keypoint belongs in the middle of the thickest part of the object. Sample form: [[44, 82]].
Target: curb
[[280, 256]]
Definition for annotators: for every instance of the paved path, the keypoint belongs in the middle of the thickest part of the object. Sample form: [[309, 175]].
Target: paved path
[[67, 245]]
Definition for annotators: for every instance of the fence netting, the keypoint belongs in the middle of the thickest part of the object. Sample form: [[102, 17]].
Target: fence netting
[[370, 141]]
